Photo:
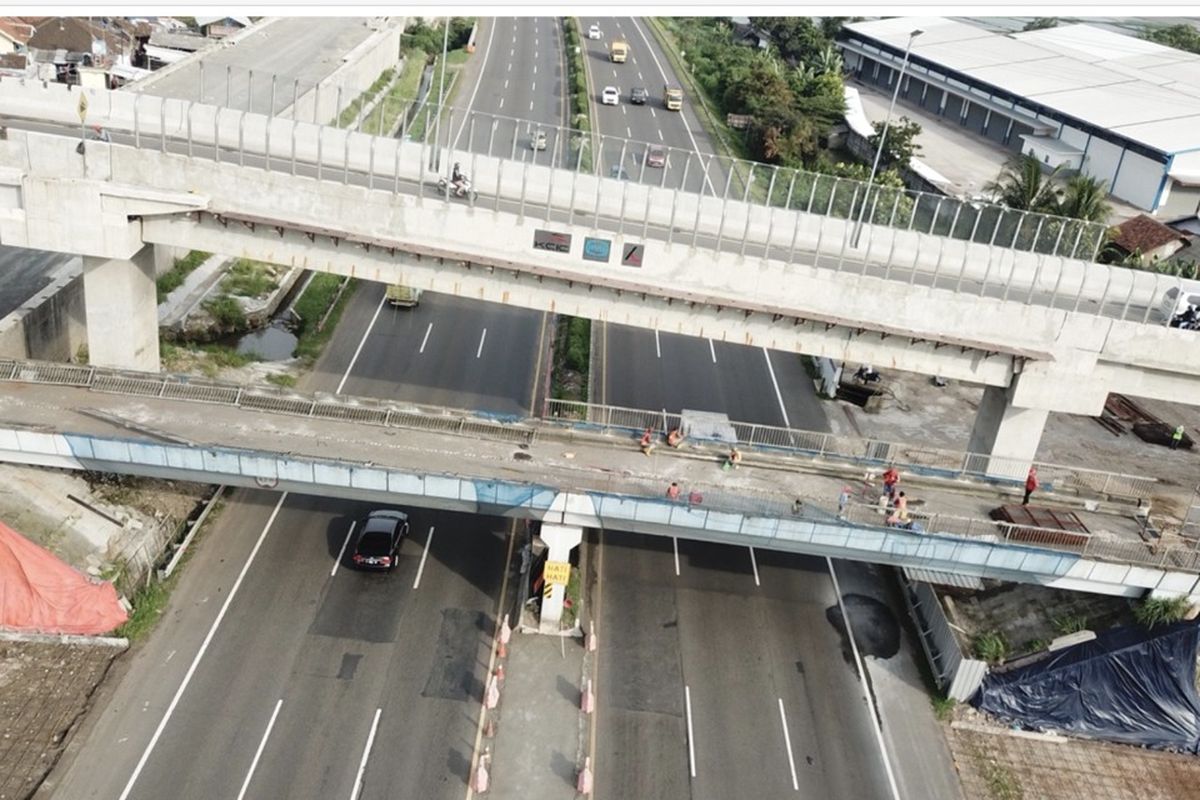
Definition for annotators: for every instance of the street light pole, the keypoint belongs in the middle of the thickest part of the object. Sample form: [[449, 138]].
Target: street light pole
[[887, 123], [437, 121]]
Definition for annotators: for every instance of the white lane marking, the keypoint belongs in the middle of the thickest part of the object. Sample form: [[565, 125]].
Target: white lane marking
[[640, 78], [675, 543], [687, 699], [624, 109], [754, 566], [512, 52], [652, 113], [778, 394], [535, 55], [615, 75], [362, 765], [712, 350], [663, 74], [657, 345], [487, 52], [660, 136], [482, 337], [533, 86], [628, 133], [342, 552], [510, 66], [258, 753], [358, 349], [531, 109], [187, 678], [862, 682], [425, 340], [502, 101], [506, 83], [787, 740], [535, 69], [424, 555]]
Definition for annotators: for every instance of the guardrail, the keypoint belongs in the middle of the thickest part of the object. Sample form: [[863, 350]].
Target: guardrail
[[761, 514], [966, 247], [868, 452]]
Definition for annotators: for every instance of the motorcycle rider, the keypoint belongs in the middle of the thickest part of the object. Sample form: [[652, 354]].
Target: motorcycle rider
[[458, 179]]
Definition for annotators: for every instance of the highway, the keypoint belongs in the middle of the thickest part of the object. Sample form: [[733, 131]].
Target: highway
[[726, 656], [317, 680], [291, 48]]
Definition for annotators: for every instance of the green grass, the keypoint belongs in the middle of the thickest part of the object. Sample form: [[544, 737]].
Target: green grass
[[350, 112], [148, 606], [400, 96], [455, 60], [284, 379], [249, 279], [1068, 624], [311, 306], [943, 707], [1001, 783], [227, 313], [573, 599], [1160, 610], [173, 278]]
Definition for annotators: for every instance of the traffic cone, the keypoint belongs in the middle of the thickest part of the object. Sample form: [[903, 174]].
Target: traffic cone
[[583, 785], [492, 697], [481, 778], [505, 635], [588, 701]]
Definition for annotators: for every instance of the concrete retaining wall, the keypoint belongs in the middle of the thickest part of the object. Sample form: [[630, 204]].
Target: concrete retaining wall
[[955, 675], [52, 325]]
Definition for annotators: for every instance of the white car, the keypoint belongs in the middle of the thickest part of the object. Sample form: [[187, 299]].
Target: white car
[[594, 31], [611, 96]]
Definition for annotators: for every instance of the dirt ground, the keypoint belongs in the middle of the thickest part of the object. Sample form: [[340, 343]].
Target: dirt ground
[[918, 411], [993, 764], [45, 689]]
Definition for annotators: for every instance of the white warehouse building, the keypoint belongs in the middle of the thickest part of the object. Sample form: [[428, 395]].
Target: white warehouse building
[[1120, 109]]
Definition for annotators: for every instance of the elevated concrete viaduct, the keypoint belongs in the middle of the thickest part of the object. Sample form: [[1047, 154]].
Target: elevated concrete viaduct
[[358, 205]]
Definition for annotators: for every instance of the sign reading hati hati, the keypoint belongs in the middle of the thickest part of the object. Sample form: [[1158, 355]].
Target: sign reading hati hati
[[558, 572]]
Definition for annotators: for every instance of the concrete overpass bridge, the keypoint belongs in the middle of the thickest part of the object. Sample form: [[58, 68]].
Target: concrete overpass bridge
[[563, 472], [1041, 332]]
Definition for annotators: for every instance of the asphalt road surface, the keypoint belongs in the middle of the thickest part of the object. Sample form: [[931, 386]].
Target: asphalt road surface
[[303, 48], [24, 273]]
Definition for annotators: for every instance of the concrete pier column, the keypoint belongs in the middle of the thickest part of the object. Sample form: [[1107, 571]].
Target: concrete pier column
[[122, 311], [1003, 429], [560, 541]]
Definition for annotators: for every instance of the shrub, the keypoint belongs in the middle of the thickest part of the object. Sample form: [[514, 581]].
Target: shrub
[[227, 313], [1161, 610], [1068, 624], [991, 647]]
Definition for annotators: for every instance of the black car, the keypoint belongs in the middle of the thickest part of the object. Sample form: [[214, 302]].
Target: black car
[[379, 538], [638, 95], [617, 171]]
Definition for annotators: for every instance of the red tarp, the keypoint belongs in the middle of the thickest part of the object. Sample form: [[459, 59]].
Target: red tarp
[[39, 592]]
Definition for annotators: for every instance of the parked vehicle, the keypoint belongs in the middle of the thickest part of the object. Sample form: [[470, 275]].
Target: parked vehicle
[[638, 95], [673, 98], [610, 96], [379, 536]]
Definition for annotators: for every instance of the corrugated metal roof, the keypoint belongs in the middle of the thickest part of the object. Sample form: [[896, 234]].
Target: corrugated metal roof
[[1141, 90], [939, 578]]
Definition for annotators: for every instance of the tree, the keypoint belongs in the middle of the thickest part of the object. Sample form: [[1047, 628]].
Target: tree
[[1041, 24], [797, 38], [1181, 37], [1085, 198], [1022, 185], [900, 145]]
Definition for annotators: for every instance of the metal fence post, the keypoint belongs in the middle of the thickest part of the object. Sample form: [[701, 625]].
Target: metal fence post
[[188, 119], [162, 124], [293, 134], [242, 139], [137, 129], [320, 139], [700, 198], [966, 253], [250, 92], [724, 208], [228, 86]]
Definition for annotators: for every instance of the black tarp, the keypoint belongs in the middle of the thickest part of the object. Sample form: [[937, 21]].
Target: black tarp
[[1130, 685]]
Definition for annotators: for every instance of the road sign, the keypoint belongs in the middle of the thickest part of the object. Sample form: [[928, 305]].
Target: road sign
[[552, 241], [558, 572], [596, 249], [82, 107], [631, 255]]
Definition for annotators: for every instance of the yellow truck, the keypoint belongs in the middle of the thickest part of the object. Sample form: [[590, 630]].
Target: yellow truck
[[673, 98], [403, 296], [618, 51]]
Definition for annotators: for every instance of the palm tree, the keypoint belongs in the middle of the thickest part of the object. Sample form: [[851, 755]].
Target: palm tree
[[1086, 198], [1023, 186]]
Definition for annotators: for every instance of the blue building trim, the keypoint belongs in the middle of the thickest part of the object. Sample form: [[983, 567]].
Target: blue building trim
[[1162, 184], [1112, 186]]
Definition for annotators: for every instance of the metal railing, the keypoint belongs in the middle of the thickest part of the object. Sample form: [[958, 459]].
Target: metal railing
[[702, 199], [702, 505], [872, 453]]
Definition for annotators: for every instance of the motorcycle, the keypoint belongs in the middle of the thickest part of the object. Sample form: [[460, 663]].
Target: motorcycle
[[462, 190]]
